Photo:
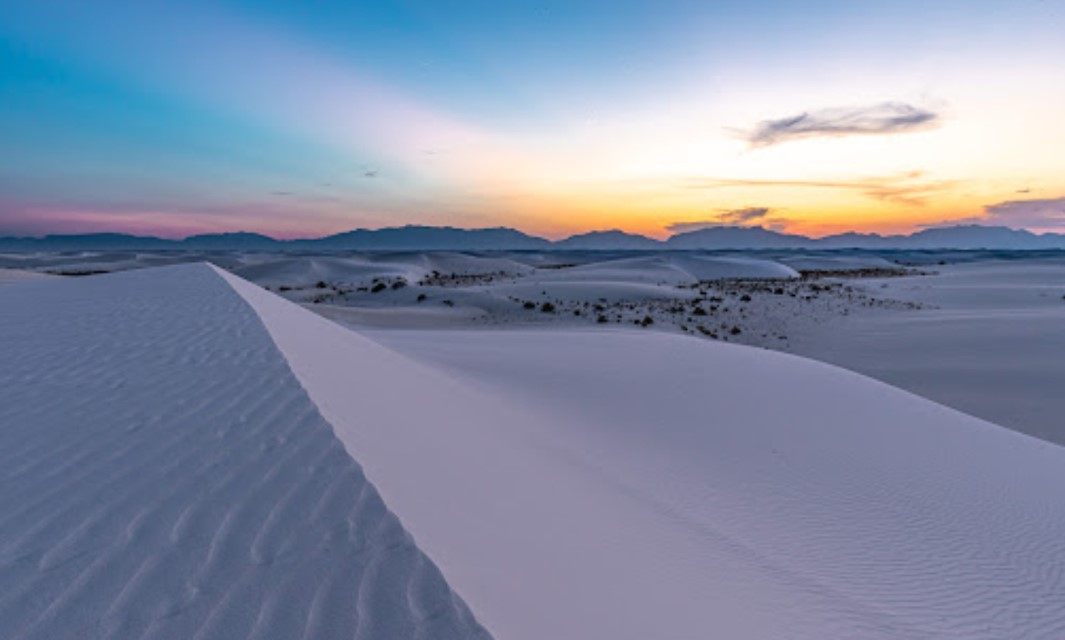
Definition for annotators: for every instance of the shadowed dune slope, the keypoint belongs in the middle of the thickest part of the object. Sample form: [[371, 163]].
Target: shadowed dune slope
[[164, 475]]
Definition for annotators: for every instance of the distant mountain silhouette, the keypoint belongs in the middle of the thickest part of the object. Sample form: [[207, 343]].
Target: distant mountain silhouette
[[423, 238], [240, 240], [609, 240], [428, 238], [738, 238], [981, 237]]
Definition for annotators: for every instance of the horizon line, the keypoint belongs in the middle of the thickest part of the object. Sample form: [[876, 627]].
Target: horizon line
[[870, 234]]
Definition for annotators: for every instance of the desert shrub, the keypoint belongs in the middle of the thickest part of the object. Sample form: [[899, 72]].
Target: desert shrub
[[321, 284], [698, 311], [529, 305], [745, 298], [422, 297], [601, 319], [647, 321], [448, 303], [735, 330], [399, 284], [547, 307], [378, 288]]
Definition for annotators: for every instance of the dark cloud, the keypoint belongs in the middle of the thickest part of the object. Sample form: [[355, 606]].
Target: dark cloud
[[684, 227], [741, 216], [884, 118], [729, 218], [909, 189], [370, 173]]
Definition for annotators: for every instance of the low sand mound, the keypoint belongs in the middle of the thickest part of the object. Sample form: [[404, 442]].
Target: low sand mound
[[732, 268], [623, 485], [9, 276], [362, 268], [591, 291], [670, 270], [422, 264], [303, 271], [860, 262], [166, 476]]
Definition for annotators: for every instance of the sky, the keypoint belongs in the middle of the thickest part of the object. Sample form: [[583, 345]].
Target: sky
[[300, 119]]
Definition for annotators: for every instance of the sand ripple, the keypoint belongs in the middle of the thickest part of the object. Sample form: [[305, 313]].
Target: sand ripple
[[164, 475]]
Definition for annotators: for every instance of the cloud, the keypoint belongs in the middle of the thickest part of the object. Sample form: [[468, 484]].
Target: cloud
[[684, 227], [740, 216], [879, 119], [370, 173], [910, 189], [730, 218], [1037, 215], [1031, 214]]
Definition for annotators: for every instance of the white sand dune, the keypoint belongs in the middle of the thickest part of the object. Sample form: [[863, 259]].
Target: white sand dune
[[989, 341], [361, 268], [307, 270], [9, 276], [837, 262], [579, 290], [175, 466], [637, 278], [670, 270], [164, 475], [447, 262], [620, 485]]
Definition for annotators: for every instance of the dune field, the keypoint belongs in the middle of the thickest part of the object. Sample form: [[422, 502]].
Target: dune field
[[191, 455]]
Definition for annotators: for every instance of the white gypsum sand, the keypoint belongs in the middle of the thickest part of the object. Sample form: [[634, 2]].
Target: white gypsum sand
[[575, 484], [988, 340], [976, 330], [164, 475], [10, 276]]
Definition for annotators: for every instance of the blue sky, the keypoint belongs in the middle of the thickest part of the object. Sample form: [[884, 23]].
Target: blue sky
[[306, 118]]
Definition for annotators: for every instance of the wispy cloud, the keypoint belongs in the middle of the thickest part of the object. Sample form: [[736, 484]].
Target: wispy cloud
[[731, 218], [742, 216], [910, 189], [878, 119]]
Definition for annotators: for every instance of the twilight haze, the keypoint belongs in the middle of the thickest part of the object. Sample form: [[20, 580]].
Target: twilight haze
[[556, 117]]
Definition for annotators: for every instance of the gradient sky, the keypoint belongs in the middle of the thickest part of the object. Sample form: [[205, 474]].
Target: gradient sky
[[305, 118]]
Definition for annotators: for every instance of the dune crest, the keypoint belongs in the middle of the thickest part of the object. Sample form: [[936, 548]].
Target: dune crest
[[166, 476], [575, 484]]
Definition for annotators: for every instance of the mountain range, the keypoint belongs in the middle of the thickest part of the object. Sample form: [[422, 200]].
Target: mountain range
[[419, 238]]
